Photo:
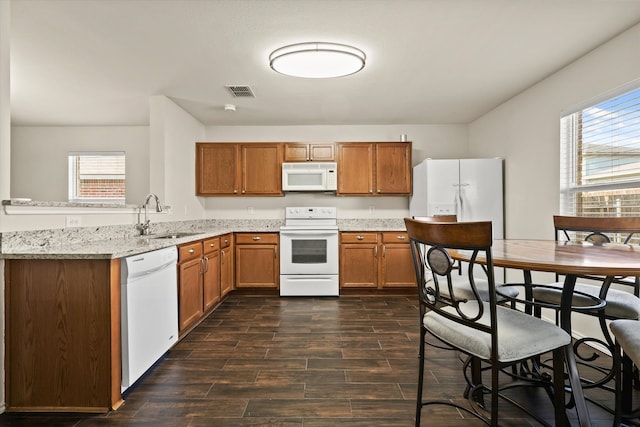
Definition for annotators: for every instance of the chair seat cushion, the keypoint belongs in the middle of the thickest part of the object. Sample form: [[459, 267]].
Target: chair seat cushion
[[461, 288], [519, 335], [627, 333], [620, 304]]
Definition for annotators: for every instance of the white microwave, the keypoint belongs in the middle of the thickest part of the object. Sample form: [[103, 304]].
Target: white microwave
[[310, 176]]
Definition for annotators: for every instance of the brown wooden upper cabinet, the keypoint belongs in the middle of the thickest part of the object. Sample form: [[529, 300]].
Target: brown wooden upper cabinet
[[313, 152], [224, 169], [374, 169]]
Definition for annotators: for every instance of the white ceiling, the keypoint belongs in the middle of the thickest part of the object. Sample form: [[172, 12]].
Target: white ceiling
[[97, 62]]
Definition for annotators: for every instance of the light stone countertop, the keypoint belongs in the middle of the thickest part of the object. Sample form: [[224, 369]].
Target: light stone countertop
[[109, 242]]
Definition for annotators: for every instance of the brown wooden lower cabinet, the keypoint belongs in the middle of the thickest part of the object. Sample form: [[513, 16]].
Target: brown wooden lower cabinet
[[375, 260], [211, 273], [396, 266], [199, 281], [62, 335], [257, 260], [227, 277], [190, 293], [358, 260]]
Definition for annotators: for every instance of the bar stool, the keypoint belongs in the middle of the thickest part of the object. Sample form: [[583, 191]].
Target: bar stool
[[626, 354]]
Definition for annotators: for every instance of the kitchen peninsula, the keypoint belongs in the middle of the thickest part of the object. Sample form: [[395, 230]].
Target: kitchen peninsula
[[63, 306]]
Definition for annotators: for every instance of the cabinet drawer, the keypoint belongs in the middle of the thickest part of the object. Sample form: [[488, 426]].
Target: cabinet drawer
[[211, 245], [358, 237], [225, 241], [189, 251], [395, 237], [256, 238]]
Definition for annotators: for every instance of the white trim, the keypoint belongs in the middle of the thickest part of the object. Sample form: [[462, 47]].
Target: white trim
[[627, 87]]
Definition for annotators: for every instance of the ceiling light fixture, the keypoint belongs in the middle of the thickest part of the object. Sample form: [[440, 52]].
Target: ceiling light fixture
[[317, 60]]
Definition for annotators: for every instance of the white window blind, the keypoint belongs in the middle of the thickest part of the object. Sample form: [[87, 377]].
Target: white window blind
[[97, 177], [600, 158]]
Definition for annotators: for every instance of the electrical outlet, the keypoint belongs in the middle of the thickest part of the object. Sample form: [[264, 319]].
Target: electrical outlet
[[372, 209], [250, 210], [72, 221]]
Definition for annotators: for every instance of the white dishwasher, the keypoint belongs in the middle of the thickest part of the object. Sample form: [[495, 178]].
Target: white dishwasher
[[149, 305]]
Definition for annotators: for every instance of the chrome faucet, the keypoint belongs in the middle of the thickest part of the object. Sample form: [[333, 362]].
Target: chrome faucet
[[143, 227]]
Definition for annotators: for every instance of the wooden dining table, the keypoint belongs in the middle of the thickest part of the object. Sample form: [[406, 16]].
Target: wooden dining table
[[571, 259]]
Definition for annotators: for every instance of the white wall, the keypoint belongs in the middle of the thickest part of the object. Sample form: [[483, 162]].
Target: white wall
[[40, 166], [174, 133], [437, 141], [526, 132]]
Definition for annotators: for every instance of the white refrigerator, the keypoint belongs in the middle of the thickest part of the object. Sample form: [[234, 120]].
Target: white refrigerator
[[472, 189]]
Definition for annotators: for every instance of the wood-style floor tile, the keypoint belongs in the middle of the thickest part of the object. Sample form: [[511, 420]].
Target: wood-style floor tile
[[263, 361]]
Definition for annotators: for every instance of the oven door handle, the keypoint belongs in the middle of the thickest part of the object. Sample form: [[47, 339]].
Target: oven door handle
[[309, 232]]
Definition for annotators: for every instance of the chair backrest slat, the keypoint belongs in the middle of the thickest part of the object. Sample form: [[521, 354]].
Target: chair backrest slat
[[597, 224]]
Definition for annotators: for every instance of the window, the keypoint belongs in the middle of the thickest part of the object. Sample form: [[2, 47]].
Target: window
[[97, 177], [600, 158]]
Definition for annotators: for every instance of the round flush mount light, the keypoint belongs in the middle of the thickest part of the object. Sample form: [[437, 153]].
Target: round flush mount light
[[317, 60]]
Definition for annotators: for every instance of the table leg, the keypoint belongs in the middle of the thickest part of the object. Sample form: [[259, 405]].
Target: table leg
[[572, 367]]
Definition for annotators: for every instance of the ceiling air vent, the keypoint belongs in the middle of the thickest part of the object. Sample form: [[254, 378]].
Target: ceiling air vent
[[241, 91]]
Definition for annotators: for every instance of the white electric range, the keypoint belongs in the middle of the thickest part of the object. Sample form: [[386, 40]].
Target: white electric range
[[309, 252]]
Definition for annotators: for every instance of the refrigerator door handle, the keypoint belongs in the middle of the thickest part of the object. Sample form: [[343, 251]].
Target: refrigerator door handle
[[457, 201], [461, 201]]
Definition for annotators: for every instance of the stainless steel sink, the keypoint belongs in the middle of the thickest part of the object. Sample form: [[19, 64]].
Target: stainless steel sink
[[176, 235]]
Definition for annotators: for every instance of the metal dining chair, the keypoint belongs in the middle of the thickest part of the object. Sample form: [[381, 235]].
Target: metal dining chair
[[505, 293], [620, 304], [483, 330], [627, 354]]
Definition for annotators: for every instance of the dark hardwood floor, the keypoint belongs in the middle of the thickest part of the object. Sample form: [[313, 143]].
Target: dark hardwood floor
[[312, 362]]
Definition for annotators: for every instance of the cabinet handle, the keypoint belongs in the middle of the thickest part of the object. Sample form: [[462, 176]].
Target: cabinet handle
[[384, 251], [379, 190], [375, 252], [201, 265], [360, 237], [402, 237], [206, 264], [256, 238], [192, 250], [212, 244], [235, 191], [222, 257]]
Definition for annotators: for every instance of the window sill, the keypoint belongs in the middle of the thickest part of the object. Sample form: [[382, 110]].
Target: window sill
[[31, 207]]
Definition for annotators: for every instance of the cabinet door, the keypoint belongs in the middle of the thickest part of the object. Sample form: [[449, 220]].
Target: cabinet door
[[322, 152], [62, 326], [296, 152], [190, 275], [359, 265], [355, 168], [216, 169], [393, 168], [257, 265], [226, 264], [396, 265], [211, 280], [261, 169], [226, 271]]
